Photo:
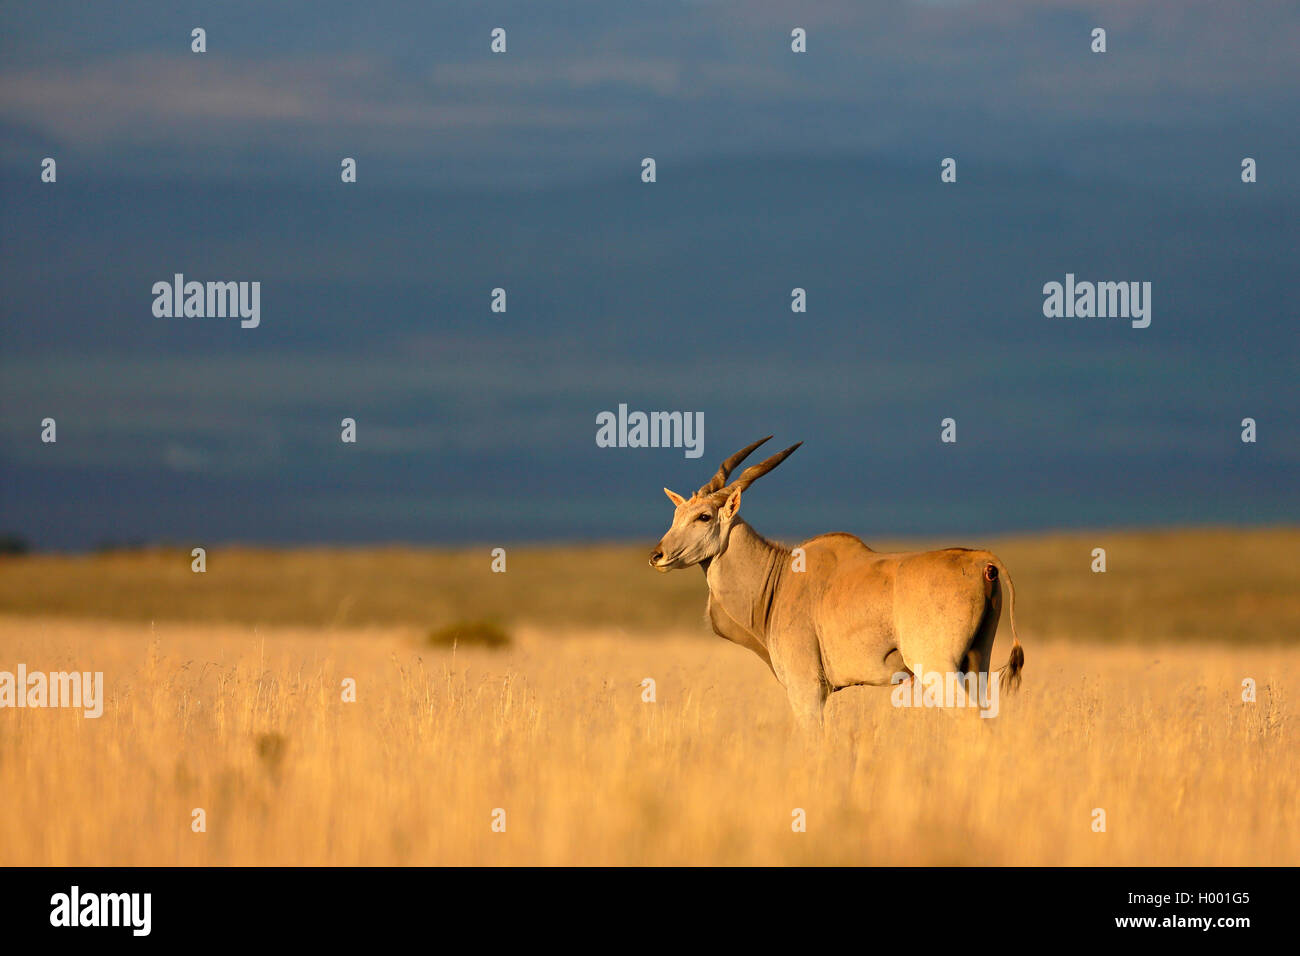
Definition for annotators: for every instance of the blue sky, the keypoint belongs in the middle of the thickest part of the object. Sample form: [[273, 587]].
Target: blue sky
[[775, 170]]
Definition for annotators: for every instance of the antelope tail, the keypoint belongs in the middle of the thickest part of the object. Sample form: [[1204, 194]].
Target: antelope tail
[[1009, 673]]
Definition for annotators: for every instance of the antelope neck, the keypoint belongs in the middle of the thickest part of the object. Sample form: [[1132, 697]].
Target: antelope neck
[[746, 576]]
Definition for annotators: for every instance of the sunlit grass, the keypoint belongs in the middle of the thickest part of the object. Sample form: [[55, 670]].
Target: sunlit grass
[[250, 726]]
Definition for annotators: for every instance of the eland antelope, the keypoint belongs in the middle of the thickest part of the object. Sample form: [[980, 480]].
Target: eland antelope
[[832, 613]]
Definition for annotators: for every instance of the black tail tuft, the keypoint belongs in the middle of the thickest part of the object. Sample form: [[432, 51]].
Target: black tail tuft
[[1009, 673]]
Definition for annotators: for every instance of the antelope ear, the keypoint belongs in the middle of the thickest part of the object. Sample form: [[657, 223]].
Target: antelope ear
[[674, 497], [732, 506]]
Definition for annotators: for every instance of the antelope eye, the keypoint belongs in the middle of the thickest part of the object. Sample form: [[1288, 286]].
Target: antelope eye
[[704, 517]]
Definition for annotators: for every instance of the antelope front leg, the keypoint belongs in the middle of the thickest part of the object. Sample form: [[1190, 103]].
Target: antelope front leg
[[798, 666], [808, 699]]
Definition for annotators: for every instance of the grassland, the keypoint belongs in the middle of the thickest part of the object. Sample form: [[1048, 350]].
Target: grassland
[[224, 693], [1216, 586]]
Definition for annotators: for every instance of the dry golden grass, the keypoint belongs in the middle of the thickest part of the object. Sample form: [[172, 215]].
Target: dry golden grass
[[232, 702], [250, 727]]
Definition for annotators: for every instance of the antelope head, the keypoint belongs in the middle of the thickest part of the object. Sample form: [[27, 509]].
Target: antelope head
[[702, 522]]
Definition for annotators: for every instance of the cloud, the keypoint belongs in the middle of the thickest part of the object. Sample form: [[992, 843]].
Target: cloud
[[155, 97], [1007, 81], [1025, 61]]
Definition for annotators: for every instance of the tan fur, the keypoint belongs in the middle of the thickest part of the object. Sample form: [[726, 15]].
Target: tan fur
[[853, 615]]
